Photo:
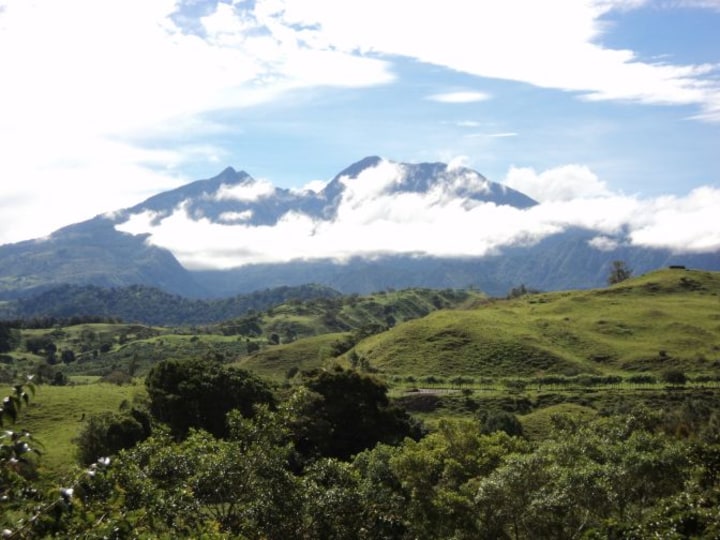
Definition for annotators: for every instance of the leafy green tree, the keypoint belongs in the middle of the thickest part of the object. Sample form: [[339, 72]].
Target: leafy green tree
[[352, 413], [199, 393], [439, 475], [582, 479], [67, 356], [619, 271], [38, 344], [9, 337], [502, 421], [331, 501], [19, 451]]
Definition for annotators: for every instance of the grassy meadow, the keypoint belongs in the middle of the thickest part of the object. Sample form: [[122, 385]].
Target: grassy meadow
[[56, 414], [665, 319]]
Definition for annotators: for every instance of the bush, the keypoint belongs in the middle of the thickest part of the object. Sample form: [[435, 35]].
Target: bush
[[350, 413], [106, 434], [502, 421], [674, 377]]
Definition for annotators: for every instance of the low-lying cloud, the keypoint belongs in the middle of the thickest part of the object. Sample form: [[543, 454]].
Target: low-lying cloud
[[373, 220]]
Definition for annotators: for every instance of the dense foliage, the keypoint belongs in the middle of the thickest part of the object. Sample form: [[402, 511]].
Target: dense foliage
[[199, 394], [152, 306], [620, 477], [108, 433]]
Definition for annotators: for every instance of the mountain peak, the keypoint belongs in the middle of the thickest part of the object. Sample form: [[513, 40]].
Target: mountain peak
[[228, 172], [356, 168]]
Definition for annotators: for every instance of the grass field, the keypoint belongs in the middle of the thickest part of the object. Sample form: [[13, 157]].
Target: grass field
[[669, 318], [305, 354], [56, 414]]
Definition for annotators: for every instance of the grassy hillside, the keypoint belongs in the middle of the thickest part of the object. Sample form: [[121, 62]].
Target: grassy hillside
[[305, 354], [668, 318], [56, 415], [277, 334]]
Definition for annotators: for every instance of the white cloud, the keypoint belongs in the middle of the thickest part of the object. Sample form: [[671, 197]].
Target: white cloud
[[458, 162], [247, 191], [89, 82], [604, 243], [315, 186], [236, 217], [550, 45], [460, 97], [683, 224], [372, 220], [564, 183]]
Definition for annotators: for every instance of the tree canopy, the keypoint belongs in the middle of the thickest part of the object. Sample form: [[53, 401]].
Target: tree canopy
[[351, 412], [199, 393]]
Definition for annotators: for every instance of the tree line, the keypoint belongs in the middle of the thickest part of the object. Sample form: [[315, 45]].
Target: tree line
[[218, 453]]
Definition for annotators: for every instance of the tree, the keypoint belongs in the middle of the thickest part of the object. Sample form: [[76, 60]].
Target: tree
[[351, 413], [619, 271], [502, 421], [9, 337], [199, 393], [67, 356], [18, 449], [106, 434]]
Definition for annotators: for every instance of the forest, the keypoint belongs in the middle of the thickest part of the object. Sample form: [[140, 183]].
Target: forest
[[408, 414]]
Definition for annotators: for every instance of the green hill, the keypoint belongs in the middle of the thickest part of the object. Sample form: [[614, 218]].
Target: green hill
[[305, 354], [319, 330], [665, 319]]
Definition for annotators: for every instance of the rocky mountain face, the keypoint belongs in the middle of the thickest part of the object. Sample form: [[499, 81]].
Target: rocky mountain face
[[99, 252]]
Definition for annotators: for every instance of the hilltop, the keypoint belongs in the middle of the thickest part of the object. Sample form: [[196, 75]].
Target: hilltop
[[667, 318]]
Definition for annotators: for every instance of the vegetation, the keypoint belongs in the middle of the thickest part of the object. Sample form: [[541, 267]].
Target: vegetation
[[581, 414], [619, 272], [199, 393], [149, 305], [640, 326]]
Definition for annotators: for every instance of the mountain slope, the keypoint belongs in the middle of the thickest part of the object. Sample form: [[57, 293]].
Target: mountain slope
[[663, 319], [349, 236], [91, 252]]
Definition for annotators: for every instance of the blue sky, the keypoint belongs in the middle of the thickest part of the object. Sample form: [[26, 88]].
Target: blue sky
[[104, 103]]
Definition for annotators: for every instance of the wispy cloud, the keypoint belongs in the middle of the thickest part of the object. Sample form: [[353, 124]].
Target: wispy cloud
[[547, 45], [460, 97], [88, 83]]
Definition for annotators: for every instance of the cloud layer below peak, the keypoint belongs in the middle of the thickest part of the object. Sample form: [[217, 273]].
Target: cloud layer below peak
[[372, 221]]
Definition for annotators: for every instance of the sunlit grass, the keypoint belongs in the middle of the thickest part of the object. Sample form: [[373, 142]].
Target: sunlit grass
[[56, 414]]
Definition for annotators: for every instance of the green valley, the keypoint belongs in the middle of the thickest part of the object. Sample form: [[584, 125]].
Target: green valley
[[490, 383]]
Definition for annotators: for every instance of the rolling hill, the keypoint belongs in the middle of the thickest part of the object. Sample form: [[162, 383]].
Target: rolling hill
[[664, 319]]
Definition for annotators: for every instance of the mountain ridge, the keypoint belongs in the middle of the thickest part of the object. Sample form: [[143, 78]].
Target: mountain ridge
[[101, 251]]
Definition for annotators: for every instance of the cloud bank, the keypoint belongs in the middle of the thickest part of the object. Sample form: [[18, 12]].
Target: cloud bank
[[372, 220], [89, 83]]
